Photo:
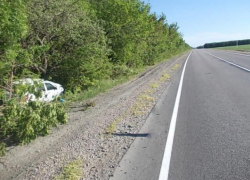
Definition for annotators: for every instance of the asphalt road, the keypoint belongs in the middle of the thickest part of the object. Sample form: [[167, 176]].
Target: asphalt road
[[212, 134]]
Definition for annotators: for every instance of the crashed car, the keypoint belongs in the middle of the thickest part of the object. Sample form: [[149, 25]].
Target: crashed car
[[50, 90]]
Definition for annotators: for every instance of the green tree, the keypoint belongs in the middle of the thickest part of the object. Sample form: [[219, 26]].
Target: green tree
[[13, 26], [126, 27], [67, 43]]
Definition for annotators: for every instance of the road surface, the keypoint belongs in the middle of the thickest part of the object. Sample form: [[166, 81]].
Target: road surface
[[212, 130]]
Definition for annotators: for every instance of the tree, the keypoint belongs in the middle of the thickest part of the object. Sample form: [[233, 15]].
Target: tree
[[126, 27], [13, 26], [66, 42]]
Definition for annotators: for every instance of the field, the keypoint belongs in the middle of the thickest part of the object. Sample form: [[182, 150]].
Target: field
[[239, 48]]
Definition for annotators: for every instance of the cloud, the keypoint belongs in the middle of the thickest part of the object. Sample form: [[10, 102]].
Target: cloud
[[209, 37]]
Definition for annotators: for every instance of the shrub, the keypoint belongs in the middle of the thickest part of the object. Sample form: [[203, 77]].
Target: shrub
[[23, 122]]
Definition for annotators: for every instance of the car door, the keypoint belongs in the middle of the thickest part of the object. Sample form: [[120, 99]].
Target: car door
[[50, 92]]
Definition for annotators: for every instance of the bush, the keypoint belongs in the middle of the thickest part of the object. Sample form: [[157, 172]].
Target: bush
[[122, 70], [2, 149], [23, 122]]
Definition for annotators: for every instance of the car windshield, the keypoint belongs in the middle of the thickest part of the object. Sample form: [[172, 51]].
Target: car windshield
[[50, 86]]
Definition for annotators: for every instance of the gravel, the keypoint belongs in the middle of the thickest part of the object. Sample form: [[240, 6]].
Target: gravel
[[85, 137]]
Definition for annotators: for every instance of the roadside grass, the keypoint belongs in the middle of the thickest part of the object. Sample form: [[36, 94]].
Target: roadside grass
[[112, 127], [141, 106], [72, 171], [237, 48], [102, 87], [105, 85], [176, 66], [143, 102], [2, 149], [164, 77], [154, 85]]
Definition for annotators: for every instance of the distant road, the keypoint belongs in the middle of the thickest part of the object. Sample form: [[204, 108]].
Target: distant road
[[212, 134]]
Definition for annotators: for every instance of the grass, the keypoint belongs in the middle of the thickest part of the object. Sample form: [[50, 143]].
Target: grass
[[93, 91], [165, 77], [139, 108], [154, 85], [112, 127], [238, 48], [145, 97], [105, 85], [71, 171], [2, 149], [176, 66]]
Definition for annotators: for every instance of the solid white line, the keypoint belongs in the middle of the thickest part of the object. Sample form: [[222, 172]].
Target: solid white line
[[169, 143], [236, 65]]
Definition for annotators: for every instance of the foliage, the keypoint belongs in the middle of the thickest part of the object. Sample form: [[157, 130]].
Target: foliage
[[23, 121], [2, 149], [12, 28], [66, 44], [225, 44], [71, 172], [79, 44], [135, 36], [122, 70], [238, 48]]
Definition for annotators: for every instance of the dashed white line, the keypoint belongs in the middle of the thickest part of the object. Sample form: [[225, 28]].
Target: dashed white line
[[236, 65], [237, 53], [169, 143]]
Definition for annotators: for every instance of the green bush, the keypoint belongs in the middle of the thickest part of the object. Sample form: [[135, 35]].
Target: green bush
[[23, 122], [2, 149], [122, 70]]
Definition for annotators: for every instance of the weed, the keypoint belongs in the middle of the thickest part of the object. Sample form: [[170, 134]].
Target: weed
[[146, 97], [165, 77], [154, 85], [112, 127], [90, 103], [71, 172], [2, 149], [142, 103], [137, 109], [176, 66], [148, 91]]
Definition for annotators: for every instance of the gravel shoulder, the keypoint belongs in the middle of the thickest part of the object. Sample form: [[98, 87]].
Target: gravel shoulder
[[98, 137]]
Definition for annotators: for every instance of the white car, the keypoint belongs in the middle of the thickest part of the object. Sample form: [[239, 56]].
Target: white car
[[50, 90]]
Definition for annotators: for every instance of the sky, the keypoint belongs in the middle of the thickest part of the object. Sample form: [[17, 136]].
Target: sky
[[203, 21]]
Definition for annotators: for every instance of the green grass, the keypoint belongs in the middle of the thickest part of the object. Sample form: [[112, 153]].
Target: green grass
[[93, 91], [154, 85], [176, 66], [71, 171], [165, 77], [105, 85], [112, 127], [239, 48]]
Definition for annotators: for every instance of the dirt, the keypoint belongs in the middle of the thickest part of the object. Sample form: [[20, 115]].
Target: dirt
[[88, 136]]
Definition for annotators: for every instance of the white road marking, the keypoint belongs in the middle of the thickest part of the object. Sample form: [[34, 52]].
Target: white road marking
[[236, 65], [169, 143], [237, 53]]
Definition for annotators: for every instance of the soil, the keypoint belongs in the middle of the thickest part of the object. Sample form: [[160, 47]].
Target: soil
[[98, 137]]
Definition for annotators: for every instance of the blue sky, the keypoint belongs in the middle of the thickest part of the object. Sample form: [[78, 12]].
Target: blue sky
[[203, 22]]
